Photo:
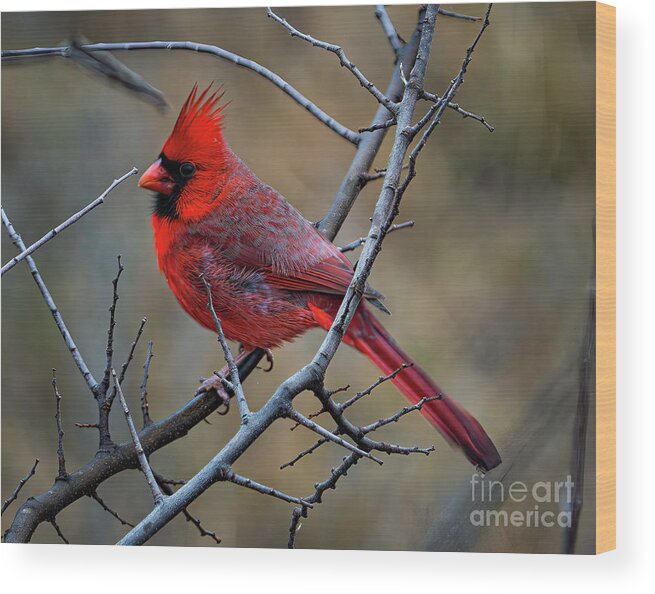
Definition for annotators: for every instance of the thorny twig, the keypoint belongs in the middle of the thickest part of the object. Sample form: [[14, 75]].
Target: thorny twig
[[67, 223]]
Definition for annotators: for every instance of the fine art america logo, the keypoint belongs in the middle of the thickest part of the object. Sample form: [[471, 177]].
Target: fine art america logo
[[543, 504]]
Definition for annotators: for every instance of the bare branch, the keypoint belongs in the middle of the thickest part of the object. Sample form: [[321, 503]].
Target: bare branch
[[107, 463], [456, 107], [370, 144], [144, 387], [62, 475], [317, 497], [310, 450], [438, 108], [200, 48], [242, 481], [343, 59], [67, 223], [165, 485], [229, 359], [457, 15], [63, 329], [20, 485], [388, 28], [127, 362], [60, 534], [381, 126], [108, 509], [316, 428], [394, 418], [157, 495], [383, 378], [362, 240], [110, 329]]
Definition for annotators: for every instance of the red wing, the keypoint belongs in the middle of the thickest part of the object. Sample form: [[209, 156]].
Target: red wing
[[330, 276]]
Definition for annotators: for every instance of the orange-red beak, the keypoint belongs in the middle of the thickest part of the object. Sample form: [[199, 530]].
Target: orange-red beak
[[158, 179]]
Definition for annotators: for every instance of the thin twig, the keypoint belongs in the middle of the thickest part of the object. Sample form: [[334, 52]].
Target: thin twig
[[438, 108], [166, 487], [63, 329], [144, 387], [62, 475], [457, 15], [67, 223], [127, 361], [157, 495], [388, 28], [316, 428], [110, 329], [108, 509], [394, 418], [456, 107], [242, 481], [20, 485], [310, 450], [343, 59], [378, 126], [317, 497], [362, 240], [199, 48], [236, 386], [59, 532], [382, 379]]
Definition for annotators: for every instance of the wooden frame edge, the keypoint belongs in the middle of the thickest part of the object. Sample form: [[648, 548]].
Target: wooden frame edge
[[606, 277]]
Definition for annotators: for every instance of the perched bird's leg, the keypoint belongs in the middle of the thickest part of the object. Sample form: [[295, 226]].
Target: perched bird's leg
[[270, 359], [217, 381]]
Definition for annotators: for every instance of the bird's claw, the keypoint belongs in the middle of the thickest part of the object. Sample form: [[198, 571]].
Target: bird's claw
[[215, 382], [270, 359]]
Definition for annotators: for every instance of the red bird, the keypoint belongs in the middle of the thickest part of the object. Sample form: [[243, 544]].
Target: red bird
[[273, 275]]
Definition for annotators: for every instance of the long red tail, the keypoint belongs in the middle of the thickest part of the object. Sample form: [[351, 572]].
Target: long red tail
[[369, 337]]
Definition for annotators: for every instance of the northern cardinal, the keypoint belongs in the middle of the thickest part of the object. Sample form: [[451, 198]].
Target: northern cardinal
[[272, 274]]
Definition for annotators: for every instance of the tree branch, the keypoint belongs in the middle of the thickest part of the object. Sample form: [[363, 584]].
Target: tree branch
[[63, 329], [388, 28], [236, 386], [62, 475], [200, 48], [343, 59], [67, 223], [20, 485], [157, 495]]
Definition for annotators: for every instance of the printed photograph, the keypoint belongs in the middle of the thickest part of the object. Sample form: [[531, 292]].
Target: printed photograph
[[310, 277]]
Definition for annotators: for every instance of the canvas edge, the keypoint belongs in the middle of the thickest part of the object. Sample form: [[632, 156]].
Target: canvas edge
[[606, 277]]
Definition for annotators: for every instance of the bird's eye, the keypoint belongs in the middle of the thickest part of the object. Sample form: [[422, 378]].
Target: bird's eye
[[187, 169]]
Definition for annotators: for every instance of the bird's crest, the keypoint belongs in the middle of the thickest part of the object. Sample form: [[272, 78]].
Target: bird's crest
[[199, 122]]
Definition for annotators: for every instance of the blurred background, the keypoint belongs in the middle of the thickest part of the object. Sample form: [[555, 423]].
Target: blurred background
[[489, 290]]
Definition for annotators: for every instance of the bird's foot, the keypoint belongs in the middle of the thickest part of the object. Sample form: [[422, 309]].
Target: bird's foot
[[215, 382], [270, 359]]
